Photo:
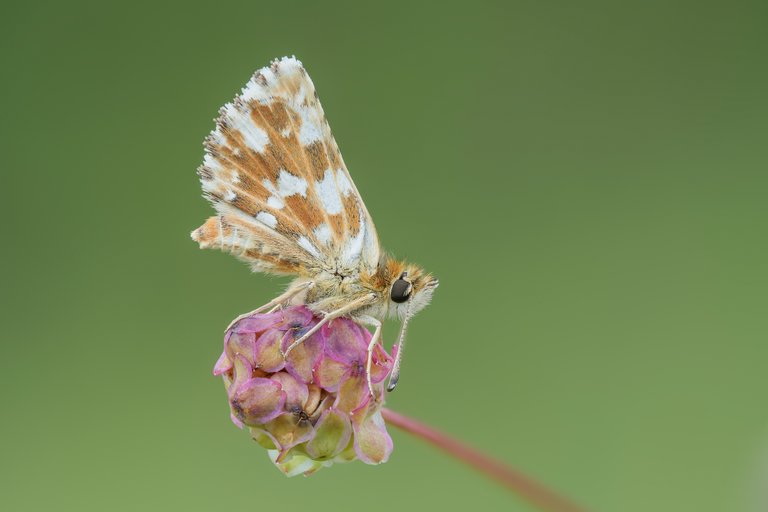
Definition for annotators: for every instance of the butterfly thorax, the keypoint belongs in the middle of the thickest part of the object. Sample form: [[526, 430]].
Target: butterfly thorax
[[333, 289]]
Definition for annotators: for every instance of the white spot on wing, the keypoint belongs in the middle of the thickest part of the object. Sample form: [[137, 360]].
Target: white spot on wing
[[308, 246], [370, 245], [275, 202], [211, 163], [310, 119], [239, 119], [267, 218], [288, 184], [328, 193], [253, 90], [323, 233], [309, 132], [254, 137], [268, 75], [230, 196], [345, 186], [249, 220], [217, 137], [350, 255]]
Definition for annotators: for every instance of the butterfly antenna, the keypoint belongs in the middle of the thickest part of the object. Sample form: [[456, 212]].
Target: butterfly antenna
[[395, 375]]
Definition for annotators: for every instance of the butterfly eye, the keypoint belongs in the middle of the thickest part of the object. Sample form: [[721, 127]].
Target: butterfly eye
[[401, 290]]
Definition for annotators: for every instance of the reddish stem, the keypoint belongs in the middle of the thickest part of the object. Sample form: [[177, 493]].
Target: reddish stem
[[533, 492]]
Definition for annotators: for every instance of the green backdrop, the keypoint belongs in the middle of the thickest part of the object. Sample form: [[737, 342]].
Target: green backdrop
[[587, 179]]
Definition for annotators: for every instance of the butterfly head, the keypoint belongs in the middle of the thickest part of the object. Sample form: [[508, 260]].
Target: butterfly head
[[410, 290]]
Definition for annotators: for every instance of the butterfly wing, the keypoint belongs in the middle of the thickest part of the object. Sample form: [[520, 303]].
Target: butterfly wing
[[286, 203]]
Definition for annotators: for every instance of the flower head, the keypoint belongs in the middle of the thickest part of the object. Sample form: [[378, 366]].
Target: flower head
[[313, 407]]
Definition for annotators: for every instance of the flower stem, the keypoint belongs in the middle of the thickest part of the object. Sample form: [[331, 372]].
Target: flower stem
[[527, 488]]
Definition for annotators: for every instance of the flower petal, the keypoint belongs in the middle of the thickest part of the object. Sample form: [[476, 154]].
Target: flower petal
[[242, 371], [223, 365], [267, 355], [312, 403], [381, 364], [288, 430], [372, 442], [329, 374], [240, 345], [296, 392], [346, 341], [235, 420], [263, 437], [295, 317], [332, 433], [257, 401], [256, 323], [353, 392], [348, 455], [296, 465], [325, 404], [304, 357], [227, 382]]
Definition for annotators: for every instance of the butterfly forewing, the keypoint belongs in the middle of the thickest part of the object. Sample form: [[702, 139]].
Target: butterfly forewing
[[272, 170]]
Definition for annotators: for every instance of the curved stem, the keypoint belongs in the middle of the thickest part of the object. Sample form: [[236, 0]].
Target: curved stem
[[533, 492]]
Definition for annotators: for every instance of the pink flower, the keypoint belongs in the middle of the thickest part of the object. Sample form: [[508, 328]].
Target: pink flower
[[313, 407]]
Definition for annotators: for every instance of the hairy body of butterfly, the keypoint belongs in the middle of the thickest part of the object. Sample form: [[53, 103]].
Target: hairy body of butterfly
[[287, 205]]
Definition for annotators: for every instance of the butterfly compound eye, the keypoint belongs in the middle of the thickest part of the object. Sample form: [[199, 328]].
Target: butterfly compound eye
[[401, 290]]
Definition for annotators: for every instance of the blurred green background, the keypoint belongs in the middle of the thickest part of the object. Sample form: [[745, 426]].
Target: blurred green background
[[587, 179]]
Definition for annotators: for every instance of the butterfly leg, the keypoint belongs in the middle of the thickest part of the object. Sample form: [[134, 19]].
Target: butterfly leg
[[347, 308], [376, 324], [276, 302]]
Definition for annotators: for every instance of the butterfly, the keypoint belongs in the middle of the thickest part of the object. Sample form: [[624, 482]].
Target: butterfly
[[286, 205]]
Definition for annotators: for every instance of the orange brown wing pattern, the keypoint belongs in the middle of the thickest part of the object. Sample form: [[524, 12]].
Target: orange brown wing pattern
[[274, 174], [252, 244]]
